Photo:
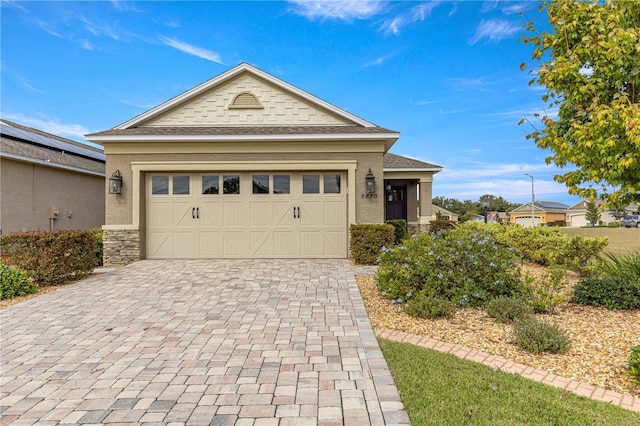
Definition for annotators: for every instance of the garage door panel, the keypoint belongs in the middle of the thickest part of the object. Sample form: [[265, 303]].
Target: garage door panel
[[182, 215], [210, 243], [159, 245], [234, 214], [159, 214], [182, 244], [311, 213], [261, 243], [311, 243], [210, 214], [283, 213], [284, 243], [333, 244], [333, 213], [261, 213], [234, 244]]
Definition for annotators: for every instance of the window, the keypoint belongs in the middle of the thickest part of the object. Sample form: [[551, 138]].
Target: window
[[160, 185], [210, 184], [331, 184], [311, 184], [260, 184], [231, 184], [281, 184], [181, 185]]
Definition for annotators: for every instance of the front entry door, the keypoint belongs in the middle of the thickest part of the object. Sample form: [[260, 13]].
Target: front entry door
[[396, 204]]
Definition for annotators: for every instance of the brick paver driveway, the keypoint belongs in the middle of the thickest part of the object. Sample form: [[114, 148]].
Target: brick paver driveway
[[198, 342]]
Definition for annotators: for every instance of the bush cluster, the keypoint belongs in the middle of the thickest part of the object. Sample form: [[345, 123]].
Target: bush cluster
[[464, 265], [440, 225], [429, 307], [634, 364], [538, 336], [367, 241], [52, 257], [616, 286], [401, 230], [14, 283], [546, 292], [507, 309], [99, 246]]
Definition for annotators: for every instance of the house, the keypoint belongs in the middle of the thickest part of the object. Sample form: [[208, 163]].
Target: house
[[545, 212], [444, 214], [246, 165], [576, 215], [48, 182]]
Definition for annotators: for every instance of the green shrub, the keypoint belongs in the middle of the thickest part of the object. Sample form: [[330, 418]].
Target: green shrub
[[52, 257], [507, 309], [441, 225], [15, 283], [367, 241], [634, 365], [423, 306], [99, 246], [464, 265], [540, 336], [613, 225], [609, 292], [400, 226], [546, 292]]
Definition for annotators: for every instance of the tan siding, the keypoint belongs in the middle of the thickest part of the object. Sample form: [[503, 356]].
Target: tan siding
[[29, 191], [280, 108]]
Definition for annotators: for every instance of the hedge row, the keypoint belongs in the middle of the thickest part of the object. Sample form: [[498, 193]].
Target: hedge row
[[51, 257], [367, 240]]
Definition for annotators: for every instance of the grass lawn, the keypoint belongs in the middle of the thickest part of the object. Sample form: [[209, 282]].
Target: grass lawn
[[621, 240], [441, 389]]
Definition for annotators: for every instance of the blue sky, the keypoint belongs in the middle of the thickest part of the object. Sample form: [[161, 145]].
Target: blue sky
[[446, 75]]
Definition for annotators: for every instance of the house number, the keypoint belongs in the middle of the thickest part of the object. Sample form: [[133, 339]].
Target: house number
[[368, 195]]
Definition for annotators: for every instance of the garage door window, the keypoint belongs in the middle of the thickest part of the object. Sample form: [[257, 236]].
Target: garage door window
[[231, 184], [160, 185], [260, 184], [281, 184], [180, 185], [210, 184], [331, 184], [311, 184]]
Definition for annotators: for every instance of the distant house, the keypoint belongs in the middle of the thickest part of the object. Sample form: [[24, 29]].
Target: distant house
[[577, 213], [48, 182], [444, 214], [545, 212]]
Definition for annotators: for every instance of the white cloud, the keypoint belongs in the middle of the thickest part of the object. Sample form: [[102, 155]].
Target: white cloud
[[342, 9], [416, 13], [466, 84], [100, 29], [379, 61], [192, 50], [494, 30], [50, 125]]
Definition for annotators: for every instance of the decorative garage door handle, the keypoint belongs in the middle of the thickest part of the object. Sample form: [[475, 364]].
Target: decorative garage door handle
[[195, 212], [296, 212]]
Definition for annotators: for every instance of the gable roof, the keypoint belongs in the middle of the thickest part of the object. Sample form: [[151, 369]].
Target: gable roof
[[23, 143], [226, 76], [394, 162], [547, 206]]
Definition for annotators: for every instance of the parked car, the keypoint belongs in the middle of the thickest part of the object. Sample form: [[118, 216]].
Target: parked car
[[631, 221]]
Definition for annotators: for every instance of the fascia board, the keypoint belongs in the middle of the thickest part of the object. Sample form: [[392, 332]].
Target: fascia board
[[409, 170], [229, 74]]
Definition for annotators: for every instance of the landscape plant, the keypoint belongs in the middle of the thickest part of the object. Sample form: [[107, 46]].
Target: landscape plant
[[507, 309], [537, 336], [422, 306], [464, 265], [634, 364], [545, 292], [608, 292], [14, 283]]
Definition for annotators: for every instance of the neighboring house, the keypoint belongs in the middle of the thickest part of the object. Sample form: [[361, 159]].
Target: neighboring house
[[545, 212], [444, 214], [246, 165], [48, 182], [576, 214]]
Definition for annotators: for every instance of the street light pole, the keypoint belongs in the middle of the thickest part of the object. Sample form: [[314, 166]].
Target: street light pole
[[533, 202]]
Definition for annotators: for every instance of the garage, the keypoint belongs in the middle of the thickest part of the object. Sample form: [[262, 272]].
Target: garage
[[526, 220], [246, 215]]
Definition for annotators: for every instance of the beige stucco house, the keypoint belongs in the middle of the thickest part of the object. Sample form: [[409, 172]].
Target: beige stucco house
[[545, 212], [576, 215], [246, 165], [48, 182]]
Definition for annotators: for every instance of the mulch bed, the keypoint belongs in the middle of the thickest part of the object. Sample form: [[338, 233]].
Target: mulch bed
[[601, 338]]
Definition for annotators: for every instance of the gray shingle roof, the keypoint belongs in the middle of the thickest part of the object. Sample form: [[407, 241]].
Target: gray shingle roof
[[27, 148], [241, 131], [393, 161]]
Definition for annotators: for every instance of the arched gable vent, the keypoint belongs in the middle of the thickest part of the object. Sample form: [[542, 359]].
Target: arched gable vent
[[245, 100]]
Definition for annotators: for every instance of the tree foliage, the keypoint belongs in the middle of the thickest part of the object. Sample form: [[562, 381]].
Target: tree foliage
[[467, 208], [593, 213], [590, 66]]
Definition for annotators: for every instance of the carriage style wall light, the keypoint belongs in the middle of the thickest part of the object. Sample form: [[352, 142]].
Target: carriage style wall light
[[370, 182], [115, 183]]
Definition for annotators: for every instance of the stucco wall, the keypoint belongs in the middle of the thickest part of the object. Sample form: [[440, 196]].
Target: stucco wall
[[28, 191], [120, 208], [279, 108]]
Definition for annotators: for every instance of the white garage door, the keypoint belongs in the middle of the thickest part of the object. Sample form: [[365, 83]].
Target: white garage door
[[245, 215], [526, 220], [579, 219]]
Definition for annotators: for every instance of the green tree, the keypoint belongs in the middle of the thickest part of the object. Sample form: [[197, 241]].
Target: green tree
[[593, 213], [590, 66]]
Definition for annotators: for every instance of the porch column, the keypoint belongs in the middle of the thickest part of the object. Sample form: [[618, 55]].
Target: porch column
[[425, 203]]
